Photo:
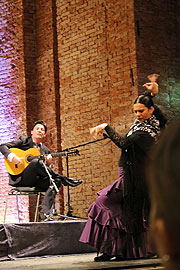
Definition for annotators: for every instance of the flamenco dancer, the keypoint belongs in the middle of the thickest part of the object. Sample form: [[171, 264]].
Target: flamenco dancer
[[119, 218]]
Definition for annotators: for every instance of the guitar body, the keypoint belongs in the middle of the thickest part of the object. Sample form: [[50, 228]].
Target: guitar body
[[24, 155]]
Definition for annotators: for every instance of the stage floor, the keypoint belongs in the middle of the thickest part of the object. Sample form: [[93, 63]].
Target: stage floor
[[21, 240], [77, 262], [54, 245]]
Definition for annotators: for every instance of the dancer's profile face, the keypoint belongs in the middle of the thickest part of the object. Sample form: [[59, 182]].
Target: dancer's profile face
[[142, 112]]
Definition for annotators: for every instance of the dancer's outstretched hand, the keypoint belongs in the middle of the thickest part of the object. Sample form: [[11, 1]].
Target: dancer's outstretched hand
[[152, 86], [97, 130]]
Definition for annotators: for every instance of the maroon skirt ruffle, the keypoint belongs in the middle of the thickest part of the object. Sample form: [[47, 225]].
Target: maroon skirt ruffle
[[105, 230]]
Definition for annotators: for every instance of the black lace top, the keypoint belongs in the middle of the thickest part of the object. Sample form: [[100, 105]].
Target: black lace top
[[135, 146]]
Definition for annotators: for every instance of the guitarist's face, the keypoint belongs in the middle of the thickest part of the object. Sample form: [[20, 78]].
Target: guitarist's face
[[38, 133]]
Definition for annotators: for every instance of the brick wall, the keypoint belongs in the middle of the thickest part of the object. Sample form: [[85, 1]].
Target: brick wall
[[79, 64], [96, 52], [12, 90], [48, 81], [158, 49]]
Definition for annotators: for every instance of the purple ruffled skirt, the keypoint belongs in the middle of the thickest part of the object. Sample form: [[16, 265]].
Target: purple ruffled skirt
[[105, 230]]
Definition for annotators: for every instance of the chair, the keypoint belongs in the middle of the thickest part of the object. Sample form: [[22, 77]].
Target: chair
[[24, 191]]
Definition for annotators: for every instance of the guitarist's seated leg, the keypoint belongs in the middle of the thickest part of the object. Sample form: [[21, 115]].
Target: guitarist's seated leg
[[35, 175], [31, 173]]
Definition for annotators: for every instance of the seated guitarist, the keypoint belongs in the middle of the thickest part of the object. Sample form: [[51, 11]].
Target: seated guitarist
[[35, 174]]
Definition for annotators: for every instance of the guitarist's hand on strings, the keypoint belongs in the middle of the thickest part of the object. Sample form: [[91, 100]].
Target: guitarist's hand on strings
[[48, 160], [16, 160]]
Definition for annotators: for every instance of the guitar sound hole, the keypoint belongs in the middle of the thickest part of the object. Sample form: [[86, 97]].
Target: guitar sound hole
[[29, 158]]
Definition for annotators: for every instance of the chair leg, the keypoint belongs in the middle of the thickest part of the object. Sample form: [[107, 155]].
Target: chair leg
[[5, 211], [37, 207], [18, 207]]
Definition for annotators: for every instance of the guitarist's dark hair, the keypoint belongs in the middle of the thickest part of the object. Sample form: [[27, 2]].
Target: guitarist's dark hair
[[41, 122]]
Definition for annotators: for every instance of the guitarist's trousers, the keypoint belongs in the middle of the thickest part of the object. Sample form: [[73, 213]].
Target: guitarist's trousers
[[35, 175]]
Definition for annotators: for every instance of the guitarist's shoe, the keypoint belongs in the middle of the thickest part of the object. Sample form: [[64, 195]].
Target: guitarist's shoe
[[71, 182], [45, 217]]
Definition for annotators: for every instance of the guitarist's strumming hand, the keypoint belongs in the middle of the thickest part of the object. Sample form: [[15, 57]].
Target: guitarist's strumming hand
[[16, 160]]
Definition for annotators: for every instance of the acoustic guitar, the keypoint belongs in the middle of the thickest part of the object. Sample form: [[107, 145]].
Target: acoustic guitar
[[26, 157]]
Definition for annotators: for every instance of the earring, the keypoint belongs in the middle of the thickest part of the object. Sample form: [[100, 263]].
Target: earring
[[165, 258]]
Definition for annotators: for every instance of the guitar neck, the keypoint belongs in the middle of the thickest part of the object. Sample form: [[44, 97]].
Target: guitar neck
[[27, 156], [59, 154]]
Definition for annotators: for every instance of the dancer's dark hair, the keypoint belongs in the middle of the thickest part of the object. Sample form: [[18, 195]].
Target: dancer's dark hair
[[147, 99]]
